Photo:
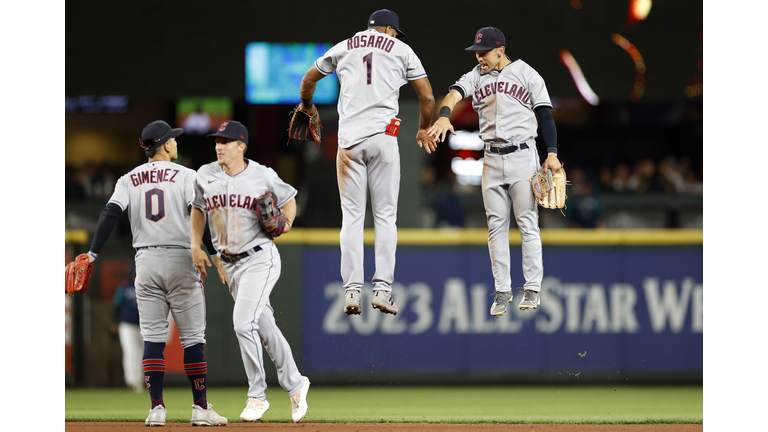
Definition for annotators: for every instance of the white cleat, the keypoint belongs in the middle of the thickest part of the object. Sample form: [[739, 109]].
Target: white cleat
[[156, 416], [383, 301], [299, 405], [531, 300], [254, 409], [206, 417], [500, 301], [352, 302]]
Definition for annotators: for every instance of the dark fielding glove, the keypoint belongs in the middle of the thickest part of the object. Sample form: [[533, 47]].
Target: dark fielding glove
[[270, 217], [303, 127]]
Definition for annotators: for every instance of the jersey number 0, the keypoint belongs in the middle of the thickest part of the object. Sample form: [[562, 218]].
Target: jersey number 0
[[154, 205]]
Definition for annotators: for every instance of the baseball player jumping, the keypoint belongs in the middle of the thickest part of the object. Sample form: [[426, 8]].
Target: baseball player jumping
[[227, 194], [157, 195], [372, 65], [507, 94]]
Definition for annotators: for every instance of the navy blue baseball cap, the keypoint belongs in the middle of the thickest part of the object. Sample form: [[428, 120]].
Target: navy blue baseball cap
[[233, 130], [386, 18], [158, 133], [488, 38]]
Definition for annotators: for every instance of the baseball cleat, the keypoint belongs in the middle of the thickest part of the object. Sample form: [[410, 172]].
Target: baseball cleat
[[206, 417], [299, 405], [254, 409], [352, 302], [500, 301], [156, 416], [530, 300], [383, 301]]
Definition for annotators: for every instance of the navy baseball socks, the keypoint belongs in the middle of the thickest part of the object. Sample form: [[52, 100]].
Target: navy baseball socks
[[196, 368], [154, 371]]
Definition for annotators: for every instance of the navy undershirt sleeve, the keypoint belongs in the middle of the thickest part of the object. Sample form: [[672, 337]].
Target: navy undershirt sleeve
[[458, 89], [548, 129], [104, 226]]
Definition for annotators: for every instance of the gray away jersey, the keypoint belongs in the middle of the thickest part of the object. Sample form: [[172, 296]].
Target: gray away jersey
[[231, 204], [371, 67], [156, 195], [505, 101]]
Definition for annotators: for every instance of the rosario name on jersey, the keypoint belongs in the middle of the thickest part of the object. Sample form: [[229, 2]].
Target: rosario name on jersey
[[156, 195], [505, 101], [371, 67], [231, 204]]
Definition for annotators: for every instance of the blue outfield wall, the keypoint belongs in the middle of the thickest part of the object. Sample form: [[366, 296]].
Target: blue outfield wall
[[620, 309]]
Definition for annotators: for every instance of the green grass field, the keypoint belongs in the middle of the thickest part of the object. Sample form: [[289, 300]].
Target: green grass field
[[374, 404]]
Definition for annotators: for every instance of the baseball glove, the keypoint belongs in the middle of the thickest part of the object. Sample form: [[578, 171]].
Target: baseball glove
[[549, 188], [303, 127], [270, 217], [76, 274]]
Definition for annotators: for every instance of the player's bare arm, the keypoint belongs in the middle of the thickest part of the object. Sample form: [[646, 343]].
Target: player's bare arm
[[443, 123], [289, 211], [220, 269], [426, 107], [552, 163], [199, 257], [307, 89]]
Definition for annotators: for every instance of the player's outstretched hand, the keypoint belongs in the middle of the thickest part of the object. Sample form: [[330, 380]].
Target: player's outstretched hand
[[439, 129], [552, 163], [426, 141], [220, 269], [310, 111], [200, 258]]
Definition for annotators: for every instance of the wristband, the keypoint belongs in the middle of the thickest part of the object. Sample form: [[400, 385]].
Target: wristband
[[445, 112], [552, 150], [307, 103], [92, 255]]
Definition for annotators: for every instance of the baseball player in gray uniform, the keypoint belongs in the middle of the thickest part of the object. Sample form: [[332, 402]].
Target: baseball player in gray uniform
[[372, 65], [507, 94], [157, 195], [226, 194]]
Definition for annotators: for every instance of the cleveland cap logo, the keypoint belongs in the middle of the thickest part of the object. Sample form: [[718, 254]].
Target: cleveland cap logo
[[479, 36], [223, 126]]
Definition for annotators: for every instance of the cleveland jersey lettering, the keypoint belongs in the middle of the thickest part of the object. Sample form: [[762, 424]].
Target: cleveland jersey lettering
[[224, 200], [505, 101], [230, 203], [509, 89]]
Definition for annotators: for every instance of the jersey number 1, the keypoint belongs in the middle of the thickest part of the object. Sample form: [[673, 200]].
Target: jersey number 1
[[368, 60], [155, 208]]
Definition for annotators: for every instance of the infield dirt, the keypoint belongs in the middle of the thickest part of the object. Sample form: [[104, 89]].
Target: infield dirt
[[399, 427]]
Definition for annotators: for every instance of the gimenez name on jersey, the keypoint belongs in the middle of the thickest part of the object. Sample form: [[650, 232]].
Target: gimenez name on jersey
[[154, 176]]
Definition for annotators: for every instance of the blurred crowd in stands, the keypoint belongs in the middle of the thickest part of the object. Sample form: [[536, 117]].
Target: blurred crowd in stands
[[670, 175], [447, 201]]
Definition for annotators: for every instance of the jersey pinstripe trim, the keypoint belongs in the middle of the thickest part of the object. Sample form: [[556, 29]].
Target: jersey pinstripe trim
[[459, 88], [319, 69], [118, 204], [416, 77], [281, 204]]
